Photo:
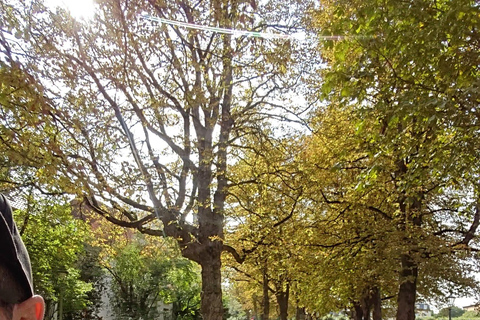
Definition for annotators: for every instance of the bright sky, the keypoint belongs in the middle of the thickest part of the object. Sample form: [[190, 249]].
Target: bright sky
[[463, 302], [79, 9]]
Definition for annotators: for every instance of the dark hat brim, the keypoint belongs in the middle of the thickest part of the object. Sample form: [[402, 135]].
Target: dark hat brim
[[16, 280]]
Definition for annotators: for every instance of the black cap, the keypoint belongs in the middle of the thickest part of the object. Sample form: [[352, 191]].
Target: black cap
[[15, 270]]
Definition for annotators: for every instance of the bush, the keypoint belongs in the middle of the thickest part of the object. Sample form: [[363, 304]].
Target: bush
[[471, 314], [456, 312]]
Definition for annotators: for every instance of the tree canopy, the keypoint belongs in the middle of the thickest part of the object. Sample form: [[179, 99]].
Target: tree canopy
[[405, 75], [146, 116], [369, 199]]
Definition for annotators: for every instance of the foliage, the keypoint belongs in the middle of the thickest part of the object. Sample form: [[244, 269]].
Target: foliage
[[146, 276], [91, 271], [55, 242], [266, 222], [146, 120], [403, 84], [27, 133], [381, 198], [389, 173], [234, 310], [342, 234], [184, 290], [471, 314], [455, 312]]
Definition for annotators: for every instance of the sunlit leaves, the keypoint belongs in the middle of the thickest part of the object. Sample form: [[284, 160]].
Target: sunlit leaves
[[55, 241], [146, 272], [402, 79]]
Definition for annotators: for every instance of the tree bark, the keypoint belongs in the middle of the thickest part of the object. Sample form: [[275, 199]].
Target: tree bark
[[408, 289], [211, 298], [377, 304], [357, 313], [266, 298], [411, 210], [255, 306], [282, 300], [366, 305]]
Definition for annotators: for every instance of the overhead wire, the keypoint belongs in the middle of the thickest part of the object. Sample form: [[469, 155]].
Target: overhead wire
[[299, 36]]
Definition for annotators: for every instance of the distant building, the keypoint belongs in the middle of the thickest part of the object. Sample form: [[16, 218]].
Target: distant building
[[422, 310], [473, 307]]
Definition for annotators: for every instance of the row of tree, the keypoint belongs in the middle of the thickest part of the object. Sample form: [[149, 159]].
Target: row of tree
[[380, 201], [337, 173]]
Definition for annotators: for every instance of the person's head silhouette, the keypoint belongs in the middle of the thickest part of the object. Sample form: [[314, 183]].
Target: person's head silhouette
[[17, 300]]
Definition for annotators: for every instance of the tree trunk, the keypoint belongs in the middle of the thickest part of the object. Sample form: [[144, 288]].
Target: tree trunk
[[409, 269], [266, 298], [282, 300], [357, 313], [255, 306], [408, 289], [377, 304], [301, 314], [211, 304], [366, 306]]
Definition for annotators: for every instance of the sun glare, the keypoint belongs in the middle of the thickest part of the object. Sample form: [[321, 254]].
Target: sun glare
[[79, 9]]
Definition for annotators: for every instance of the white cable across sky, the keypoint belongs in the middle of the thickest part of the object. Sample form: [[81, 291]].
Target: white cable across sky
[[300, 36]]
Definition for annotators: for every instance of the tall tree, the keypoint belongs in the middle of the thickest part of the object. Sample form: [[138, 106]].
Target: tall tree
[[267, 200], [410, 70], [150, 112]]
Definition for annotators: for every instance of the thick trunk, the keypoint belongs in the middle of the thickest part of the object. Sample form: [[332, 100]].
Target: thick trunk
[[377, 304], [407, 290], [366, 306], [410, 207], [357, 313], [211, 305], [282, 300]]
